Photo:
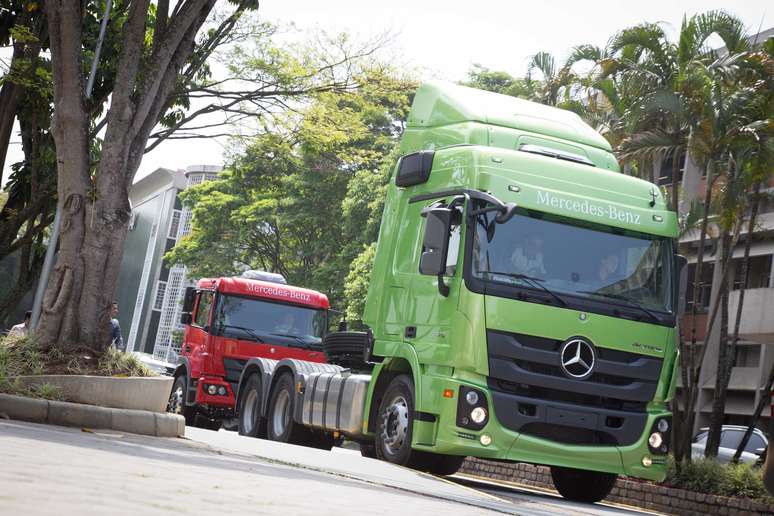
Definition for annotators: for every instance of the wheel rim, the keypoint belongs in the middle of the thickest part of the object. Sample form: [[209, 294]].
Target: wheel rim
[[394, 425], [175, 403], [281, 414], [250, 411]]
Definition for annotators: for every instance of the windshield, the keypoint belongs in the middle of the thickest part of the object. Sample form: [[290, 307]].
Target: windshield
[[254, 319], [569, 258]]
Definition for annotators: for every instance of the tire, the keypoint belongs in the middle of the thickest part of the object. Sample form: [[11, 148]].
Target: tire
[[368, 450], [395, 422], [582, 486], [202, 421], [438, 464], [280, 424], [346, 349], [251, 422], [176, 403]]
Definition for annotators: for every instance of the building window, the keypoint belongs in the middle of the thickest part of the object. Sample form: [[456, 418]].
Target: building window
[[185, 223], [158, 301], [759, 274], [174, 225], [705, 287]]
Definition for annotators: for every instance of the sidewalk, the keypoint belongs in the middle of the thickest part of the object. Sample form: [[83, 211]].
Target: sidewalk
[[62, 471]]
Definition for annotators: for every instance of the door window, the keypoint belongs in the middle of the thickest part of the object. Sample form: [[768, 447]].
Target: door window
[[755, 442], [203, 310]]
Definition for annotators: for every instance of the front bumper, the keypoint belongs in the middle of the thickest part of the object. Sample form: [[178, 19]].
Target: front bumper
[[444, 436]]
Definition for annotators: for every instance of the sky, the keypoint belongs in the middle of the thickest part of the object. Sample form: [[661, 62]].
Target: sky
[[443, 39]]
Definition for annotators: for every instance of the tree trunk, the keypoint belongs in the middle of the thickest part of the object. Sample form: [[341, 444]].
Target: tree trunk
[[689, 367], [95, 210], [723, 370]]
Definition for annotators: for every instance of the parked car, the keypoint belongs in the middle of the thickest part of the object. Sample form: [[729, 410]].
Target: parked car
[[730, 438]]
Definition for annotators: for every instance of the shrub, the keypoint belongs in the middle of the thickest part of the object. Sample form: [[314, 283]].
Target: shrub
[[118, 363], [711, 477]]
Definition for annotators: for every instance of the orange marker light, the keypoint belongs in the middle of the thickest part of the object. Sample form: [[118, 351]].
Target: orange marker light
[[448, 393]]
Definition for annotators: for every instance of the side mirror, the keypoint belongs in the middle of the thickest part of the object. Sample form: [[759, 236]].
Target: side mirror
[[436, 241], [188, 300], [185, 318], [414, 169], [681, 283]]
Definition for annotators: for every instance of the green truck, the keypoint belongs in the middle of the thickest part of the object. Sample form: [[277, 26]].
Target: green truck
[[522, 307]]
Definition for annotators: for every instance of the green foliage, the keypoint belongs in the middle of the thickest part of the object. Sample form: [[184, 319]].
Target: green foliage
[[711, 477], [117, 363], [305, 201], [358, 279]]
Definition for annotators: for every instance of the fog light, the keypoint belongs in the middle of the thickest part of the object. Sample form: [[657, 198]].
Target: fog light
[[485, 439], [647, 462], [663, 425], [655, 440], [222, 390], [478, 415], [211, 389], [472, 397]]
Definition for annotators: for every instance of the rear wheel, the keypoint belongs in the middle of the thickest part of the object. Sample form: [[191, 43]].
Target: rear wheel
[[176, 403], [281, 426], [251, 423], [395, 423], [581, 485]]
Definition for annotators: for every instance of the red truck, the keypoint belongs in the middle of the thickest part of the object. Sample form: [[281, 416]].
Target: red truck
[[231, 320]]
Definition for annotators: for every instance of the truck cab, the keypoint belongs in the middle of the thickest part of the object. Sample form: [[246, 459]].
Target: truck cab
[[227, 321]]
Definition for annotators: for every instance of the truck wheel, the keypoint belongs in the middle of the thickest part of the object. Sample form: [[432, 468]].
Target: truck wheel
[[281, 426], [368, 450], [176, 403], [582, 486], [438, 464], [202, 421], [251, 423], [395, 423]]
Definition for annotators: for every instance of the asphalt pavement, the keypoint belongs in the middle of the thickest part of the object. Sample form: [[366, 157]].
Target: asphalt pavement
[[51, 470]]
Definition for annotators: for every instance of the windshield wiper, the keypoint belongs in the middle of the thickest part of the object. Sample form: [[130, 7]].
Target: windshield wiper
[[535, 282], [629, 301], [296, 337], [249, 331]]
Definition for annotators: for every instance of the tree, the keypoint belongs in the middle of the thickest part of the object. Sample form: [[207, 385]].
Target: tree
[[304, 201], [94, 196]]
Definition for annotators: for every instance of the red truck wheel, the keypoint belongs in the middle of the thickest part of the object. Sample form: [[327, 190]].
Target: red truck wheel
[[281, 426], [176, 403], [251, 422]]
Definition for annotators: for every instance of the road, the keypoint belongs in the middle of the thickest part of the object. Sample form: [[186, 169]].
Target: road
[[50, 470]]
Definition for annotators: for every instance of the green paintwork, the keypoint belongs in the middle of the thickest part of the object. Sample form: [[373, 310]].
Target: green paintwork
[[450, 344]]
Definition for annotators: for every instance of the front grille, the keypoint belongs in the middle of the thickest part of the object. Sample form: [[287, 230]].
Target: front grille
[[532, 395]]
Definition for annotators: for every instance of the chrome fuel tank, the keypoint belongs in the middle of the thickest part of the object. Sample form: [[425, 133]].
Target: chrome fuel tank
[[335, 402]]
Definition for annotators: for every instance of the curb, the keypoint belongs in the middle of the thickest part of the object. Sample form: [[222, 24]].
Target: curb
[[90, 416]]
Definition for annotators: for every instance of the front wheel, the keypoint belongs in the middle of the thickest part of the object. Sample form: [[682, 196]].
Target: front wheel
[[395, 423], [438, 464], [251, 423], [582, 486], [176, 403]]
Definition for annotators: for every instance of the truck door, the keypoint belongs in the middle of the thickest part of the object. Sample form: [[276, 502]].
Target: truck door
[[197, 334], [429, 312]]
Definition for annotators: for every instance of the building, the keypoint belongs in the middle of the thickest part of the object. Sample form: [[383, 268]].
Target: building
[[150, 292]]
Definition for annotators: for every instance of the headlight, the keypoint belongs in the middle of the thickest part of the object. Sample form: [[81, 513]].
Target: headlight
[[663, 425], [222, 390], [478, 415], [472, 397], [212, 390], [655, 440]]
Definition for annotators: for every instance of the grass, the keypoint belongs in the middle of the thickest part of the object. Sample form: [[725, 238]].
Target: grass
[[21, 356], [711, 477]]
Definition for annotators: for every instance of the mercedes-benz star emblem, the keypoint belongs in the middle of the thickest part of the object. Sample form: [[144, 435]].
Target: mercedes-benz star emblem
[[577, 358]]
